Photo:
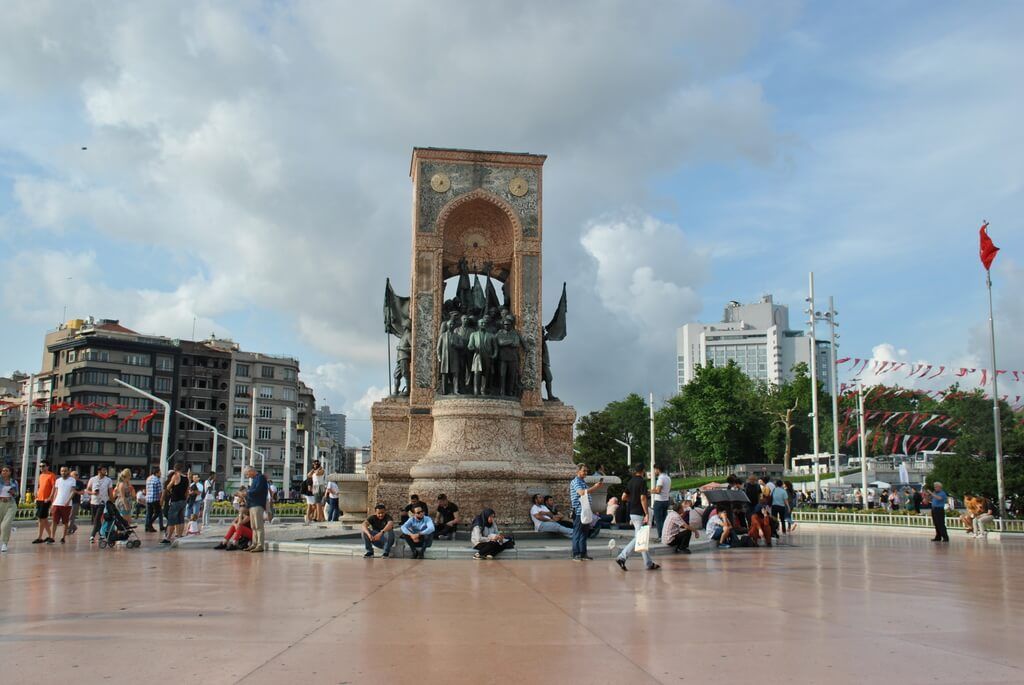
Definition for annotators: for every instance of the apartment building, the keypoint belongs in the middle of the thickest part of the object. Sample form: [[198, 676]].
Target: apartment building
[[95, 421], [15, 393]]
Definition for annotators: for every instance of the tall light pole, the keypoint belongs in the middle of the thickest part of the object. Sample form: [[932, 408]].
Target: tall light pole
[[629, 451], [814, 389], [830, 316], [287, 450], [653, 485], [165, 438], [863, 446], [252, 429], [216, 434], [28, 430]]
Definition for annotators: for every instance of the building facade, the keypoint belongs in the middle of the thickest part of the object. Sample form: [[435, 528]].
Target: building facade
[[83, 418], [757, 337]]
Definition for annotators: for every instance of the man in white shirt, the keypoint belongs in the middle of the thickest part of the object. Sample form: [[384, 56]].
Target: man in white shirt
[[333, 510], [660, 491], [63, 493], [100, 490], [544, 521]]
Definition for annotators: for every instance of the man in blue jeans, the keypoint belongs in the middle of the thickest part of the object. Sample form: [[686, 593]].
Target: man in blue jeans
[[639, 516], [418, 531], [578, 487], [378, 531], [661, 491]]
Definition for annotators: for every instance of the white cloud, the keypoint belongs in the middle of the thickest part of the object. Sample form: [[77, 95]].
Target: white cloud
[[646, 271]]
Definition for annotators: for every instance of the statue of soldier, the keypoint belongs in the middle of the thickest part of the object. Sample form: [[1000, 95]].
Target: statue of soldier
[[449, 369], [545, 363], [484, 347], [462, 333], [509, 344], [402, 365]]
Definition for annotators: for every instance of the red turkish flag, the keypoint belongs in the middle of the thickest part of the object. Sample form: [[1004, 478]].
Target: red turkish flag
[[988, 248]]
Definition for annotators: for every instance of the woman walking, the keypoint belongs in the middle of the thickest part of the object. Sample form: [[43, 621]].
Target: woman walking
[[124, 495], [8, 505], [486, 538]]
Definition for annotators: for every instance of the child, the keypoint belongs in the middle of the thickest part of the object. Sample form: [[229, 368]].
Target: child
[[193, 525]]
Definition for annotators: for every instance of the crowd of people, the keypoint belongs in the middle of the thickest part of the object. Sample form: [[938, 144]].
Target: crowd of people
[[181, 503]]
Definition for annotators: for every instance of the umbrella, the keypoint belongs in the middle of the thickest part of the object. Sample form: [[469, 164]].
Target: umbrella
[[711, 486]]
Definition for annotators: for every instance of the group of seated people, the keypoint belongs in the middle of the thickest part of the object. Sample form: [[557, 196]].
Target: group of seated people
[[980, 511], [419, 530]]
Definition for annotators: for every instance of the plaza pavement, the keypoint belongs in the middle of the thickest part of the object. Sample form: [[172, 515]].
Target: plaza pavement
[[838, 607]]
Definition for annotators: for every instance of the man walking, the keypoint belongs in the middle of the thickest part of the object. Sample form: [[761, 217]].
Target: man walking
[[64, 492], [578, 488], [100, 490], [662, 488], [256, 500], [639, 515], [153, 509], [939, 499], [76, 503], [44, 497]]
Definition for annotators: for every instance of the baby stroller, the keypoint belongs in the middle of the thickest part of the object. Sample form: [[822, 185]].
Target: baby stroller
[[115, 529]]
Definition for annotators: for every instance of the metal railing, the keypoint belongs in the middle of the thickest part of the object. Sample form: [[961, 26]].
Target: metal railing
[[896, 520]]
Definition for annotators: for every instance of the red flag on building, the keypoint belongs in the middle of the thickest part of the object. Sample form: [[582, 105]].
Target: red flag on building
[[988, 248]]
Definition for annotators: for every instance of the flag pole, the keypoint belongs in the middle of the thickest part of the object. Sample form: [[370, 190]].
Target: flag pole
[[995, 405]]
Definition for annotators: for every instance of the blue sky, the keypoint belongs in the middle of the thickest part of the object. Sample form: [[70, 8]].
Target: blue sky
[[247, 166]]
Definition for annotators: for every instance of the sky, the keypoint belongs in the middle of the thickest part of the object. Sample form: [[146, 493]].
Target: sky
[[246, 171]]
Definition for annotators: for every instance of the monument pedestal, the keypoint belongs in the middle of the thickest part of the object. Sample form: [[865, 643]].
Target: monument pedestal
[[480, 452]]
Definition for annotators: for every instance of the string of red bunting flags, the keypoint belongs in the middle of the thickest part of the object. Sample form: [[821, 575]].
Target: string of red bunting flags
[[90, 409], [926, 372]]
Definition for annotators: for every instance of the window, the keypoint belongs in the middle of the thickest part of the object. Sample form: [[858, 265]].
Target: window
[[241, 390], [165, 364], [236, 454], [266, 412], [136, 359], [290, 375], [201, 383], [156, 427], [242, 370], [241, 432], [266, 392], [71, 355], [241, 410], [162, 383], [267, 372], [263, 433], [199, 404], [288, 394], [184, 382]]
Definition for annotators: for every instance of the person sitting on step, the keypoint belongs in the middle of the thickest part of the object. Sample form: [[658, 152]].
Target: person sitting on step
[[486, 538]]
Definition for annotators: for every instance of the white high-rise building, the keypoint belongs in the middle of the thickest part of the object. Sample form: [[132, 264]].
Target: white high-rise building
[[755, 336]]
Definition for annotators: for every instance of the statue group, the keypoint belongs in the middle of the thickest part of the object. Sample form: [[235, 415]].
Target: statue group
[[478, 347]]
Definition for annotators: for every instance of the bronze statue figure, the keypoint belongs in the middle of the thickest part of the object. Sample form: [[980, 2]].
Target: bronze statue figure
[[484, 347], [509, 344], [448, 360], [402, 365]]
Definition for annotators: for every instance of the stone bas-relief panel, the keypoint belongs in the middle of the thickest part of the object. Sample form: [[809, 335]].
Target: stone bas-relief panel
[[423, 355], [467, 177], [530, 327]]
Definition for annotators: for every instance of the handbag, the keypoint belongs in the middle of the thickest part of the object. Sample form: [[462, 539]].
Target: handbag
[[643, 539], [586, 513]]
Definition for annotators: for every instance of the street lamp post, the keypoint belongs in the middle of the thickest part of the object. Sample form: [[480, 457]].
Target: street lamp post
[[216, 434], [814, 389], [629, 450], [25, 449], [830, 317], [166, 433]]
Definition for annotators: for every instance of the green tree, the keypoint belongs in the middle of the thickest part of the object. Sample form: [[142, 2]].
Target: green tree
[[718, 417], [626, 420]]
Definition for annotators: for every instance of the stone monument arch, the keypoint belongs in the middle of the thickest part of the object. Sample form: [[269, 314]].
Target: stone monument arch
[[473, 210]]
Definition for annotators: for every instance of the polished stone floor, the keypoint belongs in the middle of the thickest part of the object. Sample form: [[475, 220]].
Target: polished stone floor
[[836, 607]]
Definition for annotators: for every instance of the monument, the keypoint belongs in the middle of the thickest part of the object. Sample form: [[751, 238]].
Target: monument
[[466, 416]]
